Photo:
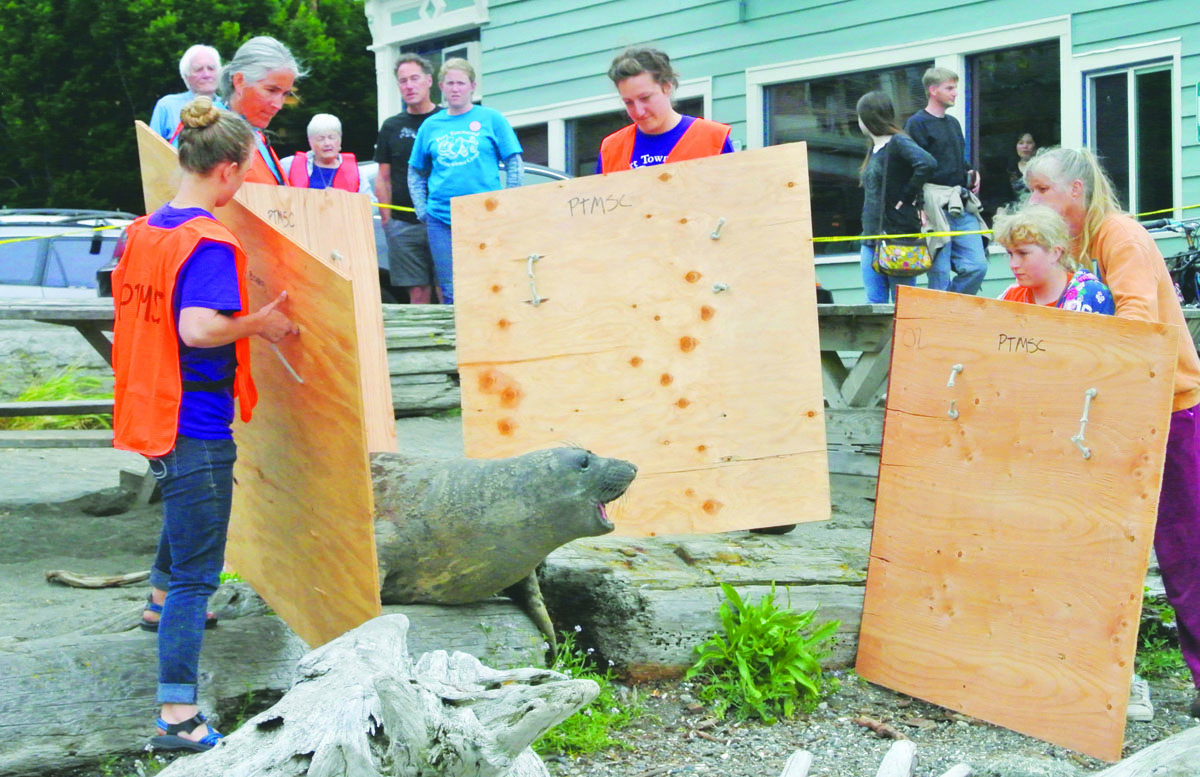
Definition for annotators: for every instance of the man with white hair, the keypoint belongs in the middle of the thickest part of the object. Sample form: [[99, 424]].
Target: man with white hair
[[199, 67]]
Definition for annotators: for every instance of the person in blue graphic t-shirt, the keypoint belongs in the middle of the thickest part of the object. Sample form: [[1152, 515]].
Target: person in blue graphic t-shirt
[[646, 82], [457, 152]]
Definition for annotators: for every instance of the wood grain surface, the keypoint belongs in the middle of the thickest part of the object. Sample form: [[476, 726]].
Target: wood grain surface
[[335, 226], [694, 357], [302, 530], [1006, 569]]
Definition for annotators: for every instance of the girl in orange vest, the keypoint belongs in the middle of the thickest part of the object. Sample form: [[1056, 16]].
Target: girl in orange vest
[[255, 85], [180, 358], [659, 133]]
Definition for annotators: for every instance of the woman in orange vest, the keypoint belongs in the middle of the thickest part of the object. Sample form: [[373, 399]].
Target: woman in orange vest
[[255, 85], [327, 166], [646, 82], [180, 358]]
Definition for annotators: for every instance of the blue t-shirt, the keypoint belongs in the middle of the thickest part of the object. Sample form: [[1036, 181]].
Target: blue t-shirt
[[165, 118], [649, 150], [208, 279], [462, 154]]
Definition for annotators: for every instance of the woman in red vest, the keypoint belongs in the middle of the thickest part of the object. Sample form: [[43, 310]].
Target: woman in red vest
[[180, 358], [255, 85], [326, 166], [659, 133]]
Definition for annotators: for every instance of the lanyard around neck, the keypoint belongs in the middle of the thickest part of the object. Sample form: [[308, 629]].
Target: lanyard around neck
[[268, 155]]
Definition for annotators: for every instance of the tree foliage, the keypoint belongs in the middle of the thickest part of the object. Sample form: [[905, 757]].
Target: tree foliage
[[75, 74]]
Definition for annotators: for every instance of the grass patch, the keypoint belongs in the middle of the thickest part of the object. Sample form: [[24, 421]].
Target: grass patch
[[591, 728], [766, 663], [1158, 654], [65, 385]]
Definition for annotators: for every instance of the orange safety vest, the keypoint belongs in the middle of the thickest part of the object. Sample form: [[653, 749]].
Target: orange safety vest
[[148, 386], [703, 138], [346, 177], [260, 171]]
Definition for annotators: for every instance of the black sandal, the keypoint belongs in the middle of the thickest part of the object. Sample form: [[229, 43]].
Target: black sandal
[[210, 620], [172, 741]]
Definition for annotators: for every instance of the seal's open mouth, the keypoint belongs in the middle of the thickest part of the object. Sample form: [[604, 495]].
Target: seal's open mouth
[[607, 524]]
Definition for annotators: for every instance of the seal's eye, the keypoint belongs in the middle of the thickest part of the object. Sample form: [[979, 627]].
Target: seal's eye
[[584, 460]]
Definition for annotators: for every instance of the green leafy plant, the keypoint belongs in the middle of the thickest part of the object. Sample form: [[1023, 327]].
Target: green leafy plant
[[230, 577], [591, 728], [1158, 653], [766, 663], [66, 384]]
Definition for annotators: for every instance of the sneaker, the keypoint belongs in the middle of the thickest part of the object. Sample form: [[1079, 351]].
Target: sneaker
[[1194, 710], [1139, 708]]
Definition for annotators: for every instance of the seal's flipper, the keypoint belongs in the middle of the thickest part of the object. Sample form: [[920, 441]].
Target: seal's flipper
[[528, 594]]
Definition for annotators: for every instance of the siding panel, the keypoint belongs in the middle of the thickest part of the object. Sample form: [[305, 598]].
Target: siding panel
[[545, 52]]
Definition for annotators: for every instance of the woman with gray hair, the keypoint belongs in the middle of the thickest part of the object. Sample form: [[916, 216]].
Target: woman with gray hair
[[255, 84], [325, 167], [199, 67]]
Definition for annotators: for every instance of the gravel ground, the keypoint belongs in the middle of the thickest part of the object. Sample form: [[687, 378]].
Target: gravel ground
[[677, 737]]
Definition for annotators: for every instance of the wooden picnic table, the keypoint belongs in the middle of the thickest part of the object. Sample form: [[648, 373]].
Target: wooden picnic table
[[91, 318]]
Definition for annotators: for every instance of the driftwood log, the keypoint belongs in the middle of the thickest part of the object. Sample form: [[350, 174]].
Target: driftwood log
[[361, 708], [899, 761], [70, 701], [80, 580], [1175, 756]]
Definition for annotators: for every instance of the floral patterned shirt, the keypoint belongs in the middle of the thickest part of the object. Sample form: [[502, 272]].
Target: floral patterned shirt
[[1084, 292]]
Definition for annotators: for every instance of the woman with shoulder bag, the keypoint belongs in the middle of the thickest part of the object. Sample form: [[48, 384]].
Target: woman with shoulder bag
[[891, 176]]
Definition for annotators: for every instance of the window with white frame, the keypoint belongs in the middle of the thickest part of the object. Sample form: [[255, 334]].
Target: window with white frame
[[821, 112], [1129, 113], [1011, 92]]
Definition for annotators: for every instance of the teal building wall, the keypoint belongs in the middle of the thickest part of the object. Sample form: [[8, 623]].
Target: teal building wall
[[544, 61]]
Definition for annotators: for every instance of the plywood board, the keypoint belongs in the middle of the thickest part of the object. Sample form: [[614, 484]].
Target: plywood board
[[692, 355], [302, 530], [336, 227], [1006, 569]]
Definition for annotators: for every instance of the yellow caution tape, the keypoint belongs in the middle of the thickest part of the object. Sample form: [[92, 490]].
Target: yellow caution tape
[[908, 234], [1164, 210], [61, 234], [967, 232], [815, 239]]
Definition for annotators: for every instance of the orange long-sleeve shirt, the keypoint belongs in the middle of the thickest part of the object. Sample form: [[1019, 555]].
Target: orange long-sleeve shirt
[[1132, 266]]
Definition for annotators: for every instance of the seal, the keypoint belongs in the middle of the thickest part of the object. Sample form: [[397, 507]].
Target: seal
[[453, 531]]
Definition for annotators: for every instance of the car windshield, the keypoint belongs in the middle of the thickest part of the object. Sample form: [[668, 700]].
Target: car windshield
[[73, 261], [19, 263]]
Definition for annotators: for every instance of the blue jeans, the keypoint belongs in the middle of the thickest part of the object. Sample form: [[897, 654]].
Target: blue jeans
[[443, 255], [965, 255], [880, 288], [197, 490]]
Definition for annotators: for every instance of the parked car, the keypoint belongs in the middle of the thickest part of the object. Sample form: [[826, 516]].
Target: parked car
[[534, 174], [63, 261]]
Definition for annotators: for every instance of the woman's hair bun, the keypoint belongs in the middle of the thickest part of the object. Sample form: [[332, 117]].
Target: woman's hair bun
[[199, 113]]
